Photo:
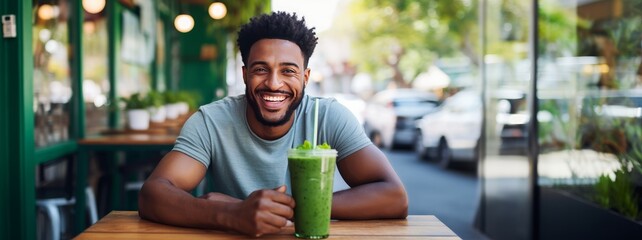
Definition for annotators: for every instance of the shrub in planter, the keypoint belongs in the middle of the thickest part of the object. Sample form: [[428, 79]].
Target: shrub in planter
[[157, 109], [172, 107], [187, 100], [617, 194], [137, 113]]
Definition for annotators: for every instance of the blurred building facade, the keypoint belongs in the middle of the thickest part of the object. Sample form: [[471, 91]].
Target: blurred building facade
[[572, 168], [66, 65]]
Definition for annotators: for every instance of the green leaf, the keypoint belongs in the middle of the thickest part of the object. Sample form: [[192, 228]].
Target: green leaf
[[305, 146], [325, 145], [136, 101], [308, 146]]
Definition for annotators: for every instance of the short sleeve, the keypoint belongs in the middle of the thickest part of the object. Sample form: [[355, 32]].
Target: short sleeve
[[345, 134], [195, 139]]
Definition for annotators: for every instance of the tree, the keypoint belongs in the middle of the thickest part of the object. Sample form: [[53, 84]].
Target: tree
[[399, 39], [240, 12]]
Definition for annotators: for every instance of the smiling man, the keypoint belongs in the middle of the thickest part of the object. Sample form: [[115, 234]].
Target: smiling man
[[244, 139]]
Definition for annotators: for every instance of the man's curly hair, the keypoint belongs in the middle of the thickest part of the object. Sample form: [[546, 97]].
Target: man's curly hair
[[278, 25]]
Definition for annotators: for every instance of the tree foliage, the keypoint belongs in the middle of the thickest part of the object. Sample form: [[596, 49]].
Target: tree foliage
[[240, 12], [555, 23], [399, 39]]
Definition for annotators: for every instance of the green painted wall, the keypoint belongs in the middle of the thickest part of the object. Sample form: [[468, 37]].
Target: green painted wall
[[17, 163], [4, 139], [202, 76], [166, 13], [114, 10], [76, 37]]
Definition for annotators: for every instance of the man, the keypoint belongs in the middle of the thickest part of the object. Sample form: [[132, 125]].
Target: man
[[244, 140]]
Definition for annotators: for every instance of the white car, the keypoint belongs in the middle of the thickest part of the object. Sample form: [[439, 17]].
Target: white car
[[355, 104], [453, 131], [390, 115]]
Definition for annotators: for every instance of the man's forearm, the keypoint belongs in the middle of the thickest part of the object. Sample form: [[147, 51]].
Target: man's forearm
[[160, 201], [371, 201]]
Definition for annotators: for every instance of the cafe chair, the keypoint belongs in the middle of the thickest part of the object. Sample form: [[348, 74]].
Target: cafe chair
[[134, 171], [52, 197]]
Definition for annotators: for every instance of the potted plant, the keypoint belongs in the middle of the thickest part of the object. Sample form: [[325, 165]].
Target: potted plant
[[171, 107], [157, 108], [187, 100], [137, 113]]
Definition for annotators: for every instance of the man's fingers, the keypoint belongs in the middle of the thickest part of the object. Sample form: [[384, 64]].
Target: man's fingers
[[281, 209], [272, 210], [281, 189], [279, 203], [282, 197], [267, 228], [271, 223], [277, 221]]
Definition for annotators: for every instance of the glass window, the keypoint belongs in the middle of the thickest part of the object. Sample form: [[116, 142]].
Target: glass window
[[136, 53], [590, 106], [505, 167], [95, 72], [51, 77]]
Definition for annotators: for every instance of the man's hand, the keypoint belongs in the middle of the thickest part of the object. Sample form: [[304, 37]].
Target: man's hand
[[264, 211]]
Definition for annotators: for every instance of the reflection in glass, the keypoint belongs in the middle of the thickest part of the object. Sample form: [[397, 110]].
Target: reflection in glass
[[506, 166], [590, 101], [52, 82], [95, 79], [136, 53]]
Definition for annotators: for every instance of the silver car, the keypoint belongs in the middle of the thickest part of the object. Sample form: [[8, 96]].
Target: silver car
[[390, 115]]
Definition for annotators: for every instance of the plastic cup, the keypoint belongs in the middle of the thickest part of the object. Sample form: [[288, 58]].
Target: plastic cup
[[311, 178]]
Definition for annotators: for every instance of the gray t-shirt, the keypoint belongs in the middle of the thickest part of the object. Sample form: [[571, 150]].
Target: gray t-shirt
[[241, 162]]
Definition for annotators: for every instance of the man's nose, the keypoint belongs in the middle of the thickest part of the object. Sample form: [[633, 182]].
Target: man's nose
[[273, 82]]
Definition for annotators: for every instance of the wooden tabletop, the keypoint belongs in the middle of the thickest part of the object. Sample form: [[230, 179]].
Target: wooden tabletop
[[127, 225], [129, 139], [162, 134]]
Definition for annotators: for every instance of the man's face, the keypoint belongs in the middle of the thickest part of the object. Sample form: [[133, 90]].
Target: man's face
[[275, 80]]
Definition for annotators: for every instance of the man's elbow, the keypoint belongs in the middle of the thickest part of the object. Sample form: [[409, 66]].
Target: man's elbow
[[401, 203], [144, 203]]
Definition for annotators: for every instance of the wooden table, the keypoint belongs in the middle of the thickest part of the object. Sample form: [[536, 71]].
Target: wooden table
[[127, 225], [128, 141]]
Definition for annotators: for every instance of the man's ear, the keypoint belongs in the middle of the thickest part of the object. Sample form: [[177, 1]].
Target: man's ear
[[306, 76], [244, 69]]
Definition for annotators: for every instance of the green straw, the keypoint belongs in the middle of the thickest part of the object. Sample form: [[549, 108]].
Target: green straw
[[316, 123]]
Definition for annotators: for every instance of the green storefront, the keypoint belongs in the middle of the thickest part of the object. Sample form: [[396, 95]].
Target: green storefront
[[63, 73]]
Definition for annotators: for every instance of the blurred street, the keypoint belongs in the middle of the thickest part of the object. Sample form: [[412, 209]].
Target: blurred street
[[451, 195]]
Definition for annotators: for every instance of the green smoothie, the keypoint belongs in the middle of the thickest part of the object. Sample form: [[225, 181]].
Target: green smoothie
[[311, 175]]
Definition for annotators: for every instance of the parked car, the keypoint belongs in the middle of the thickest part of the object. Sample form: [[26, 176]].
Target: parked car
[[453, 131], [391, 114], [355, 104]]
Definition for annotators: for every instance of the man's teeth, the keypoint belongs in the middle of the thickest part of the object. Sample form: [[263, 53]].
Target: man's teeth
[[274, 98]]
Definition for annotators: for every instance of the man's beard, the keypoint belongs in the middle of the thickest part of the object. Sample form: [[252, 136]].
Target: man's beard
[[257, 111]]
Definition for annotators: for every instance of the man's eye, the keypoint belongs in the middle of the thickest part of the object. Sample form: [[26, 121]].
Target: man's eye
[[260, 70], [289, 71]]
